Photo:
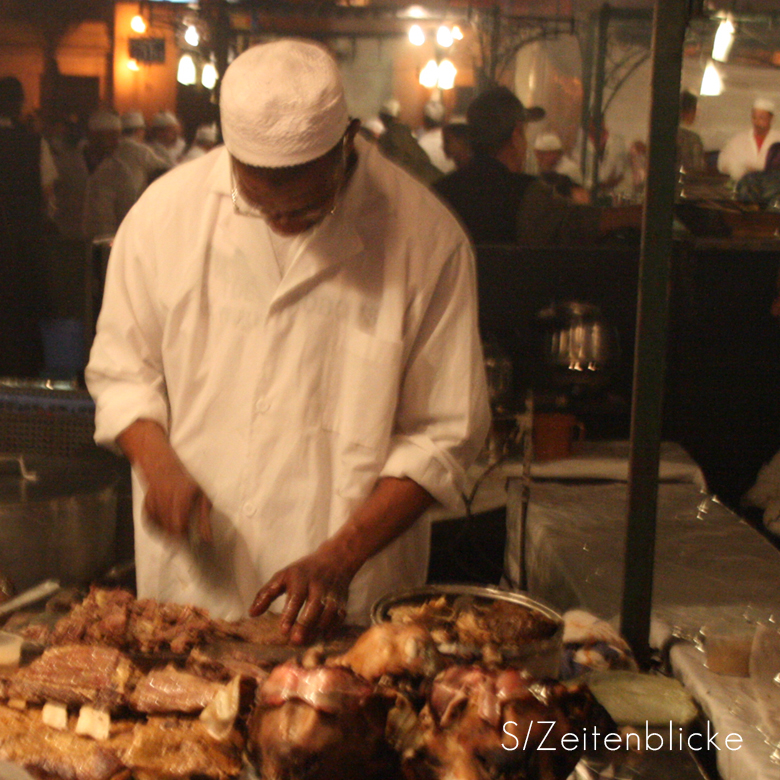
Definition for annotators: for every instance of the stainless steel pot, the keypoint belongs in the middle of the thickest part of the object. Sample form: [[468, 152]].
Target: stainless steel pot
[[57, 519], [578, 345]]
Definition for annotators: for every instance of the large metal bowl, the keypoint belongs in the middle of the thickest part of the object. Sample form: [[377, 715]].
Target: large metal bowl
[[540, 658]]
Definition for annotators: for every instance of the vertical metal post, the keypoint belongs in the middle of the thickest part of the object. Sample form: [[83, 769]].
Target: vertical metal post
[[598, 97], [669, 24]]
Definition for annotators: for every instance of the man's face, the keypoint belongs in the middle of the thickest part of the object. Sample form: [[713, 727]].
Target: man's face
[[547, 160], [762, 121], [292, 200]]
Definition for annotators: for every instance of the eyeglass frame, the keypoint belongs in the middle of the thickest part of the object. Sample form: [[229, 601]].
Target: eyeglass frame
[[242, 206]]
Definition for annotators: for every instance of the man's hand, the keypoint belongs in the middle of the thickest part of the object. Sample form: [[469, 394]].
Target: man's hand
[[174, 499], [317, 588]]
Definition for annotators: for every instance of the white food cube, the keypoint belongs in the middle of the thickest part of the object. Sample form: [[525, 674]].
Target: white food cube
[[55, 715], [93, 723]]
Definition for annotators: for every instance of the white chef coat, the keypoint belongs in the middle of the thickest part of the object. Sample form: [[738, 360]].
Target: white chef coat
[[287, 397], [432, 142], [741, 154], [112, 189]]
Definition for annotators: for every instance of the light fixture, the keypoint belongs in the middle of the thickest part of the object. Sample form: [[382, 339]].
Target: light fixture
[[711, 83], [133, 65], [456, 33], [186, 73], [447, 73], [191, 35], [209, 76], [416, 35], [724, 37], [444, 36], [138, 24], [429, 75]]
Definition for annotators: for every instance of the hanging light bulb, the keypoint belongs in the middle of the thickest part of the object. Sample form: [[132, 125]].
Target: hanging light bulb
[[429, 75], [724, 37], [133, 65], [209, 76], [416, 35], [444, 37], [447, 73], [186, 72], [138, 24], [191, 35], [711, 83], [456, 33]]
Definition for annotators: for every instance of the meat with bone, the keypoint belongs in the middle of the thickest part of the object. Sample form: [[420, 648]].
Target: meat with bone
[[490, 724], [171, 690], [392, 649], [75, 675], [27, 741], [318, 724], [174, 748]]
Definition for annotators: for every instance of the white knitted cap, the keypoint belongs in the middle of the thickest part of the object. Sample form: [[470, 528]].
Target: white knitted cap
[[282, 104], [133, 120], [547, 142], [764, 104], [104, 120], [164, 119]]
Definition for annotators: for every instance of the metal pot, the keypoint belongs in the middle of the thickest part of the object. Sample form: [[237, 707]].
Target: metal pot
[[57, 519], [579, 347]]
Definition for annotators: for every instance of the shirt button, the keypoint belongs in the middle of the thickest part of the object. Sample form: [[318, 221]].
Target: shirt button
[[262, 406], [249, 508]]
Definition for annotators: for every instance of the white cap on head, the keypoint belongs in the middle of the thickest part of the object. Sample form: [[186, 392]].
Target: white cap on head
[[164, 119], [206, 134], [434, 110], [390, 107], [764, 104], [547, 142], [133, 120], [104, 119], [282, 104]]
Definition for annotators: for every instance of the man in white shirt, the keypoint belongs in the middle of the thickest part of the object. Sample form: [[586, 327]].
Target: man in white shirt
[[431, 138], [746, 151], [288, 354]]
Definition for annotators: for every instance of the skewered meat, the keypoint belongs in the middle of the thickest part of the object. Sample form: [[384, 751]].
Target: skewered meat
[[170, 690], [482, 725], [318, 724], [392, 649], [27, 741], [75, 675]]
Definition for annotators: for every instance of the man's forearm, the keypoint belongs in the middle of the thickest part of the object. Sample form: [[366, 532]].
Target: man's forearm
[[391, 509], [144, 442]]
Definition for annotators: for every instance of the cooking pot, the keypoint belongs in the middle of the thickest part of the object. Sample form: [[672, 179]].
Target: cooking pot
[[579, 347], [57, 518]]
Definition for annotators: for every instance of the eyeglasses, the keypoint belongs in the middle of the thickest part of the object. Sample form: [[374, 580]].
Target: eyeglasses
[[312, 213]]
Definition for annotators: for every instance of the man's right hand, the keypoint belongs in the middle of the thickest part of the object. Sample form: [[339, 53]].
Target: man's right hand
[[174, 499]]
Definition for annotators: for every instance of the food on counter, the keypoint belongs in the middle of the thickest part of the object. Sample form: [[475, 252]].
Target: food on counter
[[75, 675], [319, 724], [93, 723], [171, 690]]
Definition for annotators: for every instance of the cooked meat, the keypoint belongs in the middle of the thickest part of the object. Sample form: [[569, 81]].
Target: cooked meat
[[320, 724], [75, 675], [27, 741], [170, 690], [392, 649], [173, 748], [222, 661]]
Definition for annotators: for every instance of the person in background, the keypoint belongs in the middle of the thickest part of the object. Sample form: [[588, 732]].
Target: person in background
[[398, 143], [431, 139], [763, 186], [206, 137], [456, 143], [145, 163], [288, 354], [610, 148], [113, 187], [165, 137], [498, 203], [21, 228], [690, 149], [746, 151], [557, 170]]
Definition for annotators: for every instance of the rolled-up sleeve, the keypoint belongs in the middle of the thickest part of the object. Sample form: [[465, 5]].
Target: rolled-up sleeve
[[443, 415], [124, 374]]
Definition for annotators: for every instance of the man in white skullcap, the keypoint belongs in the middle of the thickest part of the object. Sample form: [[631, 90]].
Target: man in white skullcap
[[288, 354], [431, 138], [165, 137], [746, 151], [144, 163], [557, 170], [206, 137]]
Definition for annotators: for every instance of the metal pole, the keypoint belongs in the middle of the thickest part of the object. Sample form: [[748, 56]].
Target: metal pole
[[652, 324], [598, 97]]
